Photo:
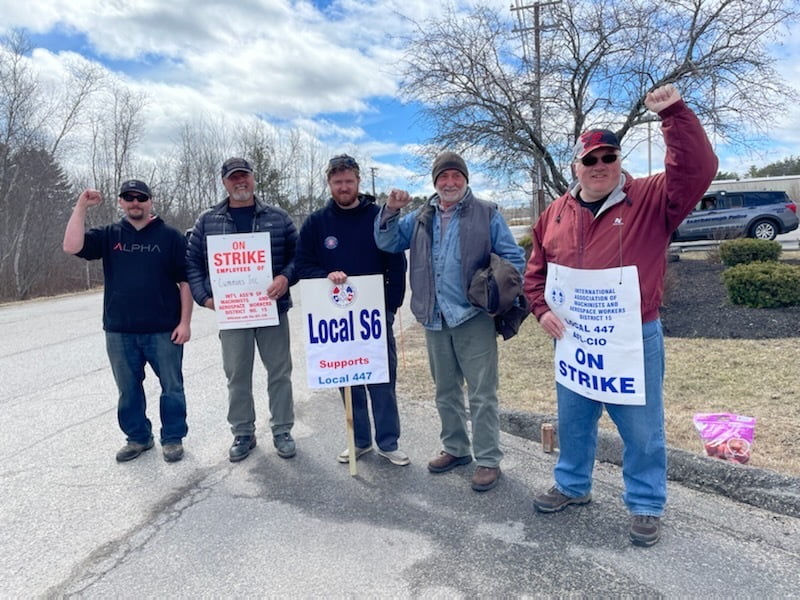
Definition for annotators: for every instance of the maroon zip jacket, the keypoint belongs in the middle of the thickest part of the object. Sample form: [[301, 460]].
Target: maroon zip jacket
[[636, 222]]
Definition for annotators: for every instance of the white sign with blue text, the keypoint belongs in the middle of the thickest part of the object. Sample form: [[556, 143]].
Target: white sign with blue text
[[345, 331], [601, 354]]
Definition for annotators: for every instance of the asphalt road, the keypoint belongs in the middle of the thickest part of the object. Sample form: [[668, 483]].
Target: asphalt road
[[76, 523]]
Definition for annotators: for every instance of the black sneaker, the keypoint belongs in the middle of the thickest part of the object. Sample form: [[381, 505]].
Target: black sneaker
[[132, 450], [645, 530], [554, 501], [242, 444], [284, 443]]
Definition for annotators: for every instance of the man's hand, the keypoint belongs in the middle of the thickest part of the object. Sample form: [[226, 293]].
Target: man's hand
[[337, 277], [661, 97], [552, 325], [279, 286], [181, 334], [209, 303], [398, 199], [90, 197]]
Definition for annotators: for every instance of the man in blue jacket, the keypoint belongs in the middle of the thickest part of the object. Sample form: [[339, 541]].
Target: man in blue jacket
[[336, 242], [450, 238], [244, 212], [147, 311]]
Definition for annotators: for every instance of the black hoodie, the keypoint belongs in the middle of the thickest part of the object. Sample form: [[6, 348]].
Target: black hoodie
[[338, 239], [142, 269]]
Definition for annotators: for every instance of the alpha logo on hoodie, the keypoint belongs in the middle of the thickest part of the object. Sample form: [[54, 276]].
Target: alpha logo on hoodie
[[142, 248]]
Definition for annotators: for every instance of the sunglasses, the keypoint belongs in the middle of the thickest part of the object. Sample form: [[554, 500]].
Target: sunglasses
[[588, 161], [135, 198]]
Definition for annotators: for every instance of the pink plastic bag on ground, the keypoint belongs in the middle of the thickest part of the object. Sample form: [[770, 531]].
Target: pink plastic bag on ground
[[726, 435]]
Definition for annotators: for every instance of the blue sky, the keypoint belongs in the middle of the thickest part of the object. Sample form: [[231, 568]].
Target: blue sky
[[324, 67]]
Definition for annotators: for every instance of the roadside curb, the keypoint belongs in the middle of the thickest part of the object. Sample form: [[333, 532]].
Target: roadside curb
[[759, 487]]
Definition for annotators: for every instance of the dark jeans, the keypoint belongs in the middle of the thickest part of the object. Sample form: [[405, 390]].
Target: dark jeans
[[384, 403], [128, 353]]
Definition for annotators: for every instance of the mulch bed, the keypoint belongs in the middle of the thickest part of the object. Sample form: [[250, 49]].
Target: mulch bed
[[696, 305]]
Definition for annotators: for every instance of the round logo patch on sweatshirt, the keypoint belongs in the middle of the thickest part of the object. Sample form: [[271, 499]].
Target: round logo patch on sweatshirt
[[331, 242]]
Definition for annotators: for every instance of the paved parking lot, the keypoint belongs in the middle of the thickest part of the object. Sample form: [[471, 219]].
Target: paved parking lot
[[76, 523]]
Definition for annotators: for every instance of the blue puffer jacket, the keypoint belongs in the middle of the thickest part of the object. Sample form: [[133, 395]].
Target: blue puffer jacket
[[218, 221]]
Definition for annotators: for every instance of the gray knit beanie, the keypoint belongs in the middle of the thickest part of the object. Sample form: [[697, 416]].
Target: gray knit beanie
[[449, 160]]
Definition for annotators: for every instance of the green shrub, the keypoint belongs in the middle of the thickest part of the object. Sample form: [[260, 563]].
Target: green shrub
[[527, 244], [763, 284], [745, 250]]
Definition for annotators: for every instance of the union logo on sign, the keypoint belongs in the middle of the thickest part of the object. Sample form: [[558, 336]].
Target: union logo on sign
[[343, 295], [557, 296]]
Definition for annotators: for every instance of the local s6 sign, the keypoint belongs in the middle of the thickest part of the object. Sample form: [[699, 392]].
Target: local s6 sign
[[345, 331]]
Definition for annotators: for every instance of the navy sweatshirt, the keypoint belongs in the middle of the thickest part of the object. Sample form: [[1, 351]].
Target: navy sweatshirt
[[142, 269], [337, 239]]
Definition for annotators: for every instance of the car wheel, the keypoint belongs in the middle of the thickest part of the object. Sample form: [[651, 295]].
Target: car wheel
[[763, 230]]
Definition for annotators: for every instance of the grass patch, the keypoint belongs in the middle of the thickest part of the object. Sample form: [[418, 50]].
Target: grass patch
[[756, 378]]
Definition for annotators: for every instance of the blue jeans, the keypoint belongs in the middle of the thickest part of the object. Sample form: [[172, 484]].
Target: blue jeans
[[644, 459], [384, 403], [128, 353], [467, 352]]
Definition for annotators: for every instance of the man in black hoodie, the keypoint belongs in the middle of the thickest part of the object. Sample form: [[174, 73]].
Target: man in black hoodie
[[147, 311], [336, 242]]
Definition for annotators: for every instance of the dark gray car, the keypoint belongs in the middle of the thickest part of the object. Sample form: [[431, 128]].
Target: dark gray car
[[722, 215]]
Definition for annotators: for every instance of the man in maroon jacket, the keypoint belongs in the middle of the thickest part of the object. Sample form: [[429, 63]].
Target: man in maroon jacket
[[613, 228]]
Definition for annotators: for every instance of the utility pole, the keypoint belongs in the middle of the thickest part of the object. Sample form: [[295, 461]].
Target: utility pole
[[372, 171], [537, 200]]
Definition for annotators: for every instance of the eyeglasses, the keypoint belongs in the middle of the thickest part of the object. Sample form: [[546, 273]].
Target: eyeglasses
[[588, 161], [135, 198]]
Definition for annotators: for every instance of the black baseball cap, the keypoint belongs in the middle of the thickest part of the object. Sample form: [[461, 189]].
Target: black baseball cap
[[235, 164], [135, 185]]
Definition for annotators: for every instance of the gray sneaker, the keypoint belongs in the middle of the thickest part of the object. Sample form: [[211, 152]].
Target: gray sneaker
[[284, 443], [344, 455], [554, 501], [645, 530], [396, 457]]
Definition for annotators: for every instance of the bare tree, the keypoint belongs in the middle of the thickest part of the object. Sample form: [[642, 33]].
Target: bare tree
[[35, 121], [598, 61]]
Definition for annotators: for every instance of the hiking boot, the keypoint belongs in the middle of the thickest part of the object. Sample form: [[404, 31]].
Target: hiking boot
[[444, 462], [485, 478], [344, 455], [172, 452], [242, 444], [132, 450], [645, 530], [554, 501], [284, 443], [396, 457]]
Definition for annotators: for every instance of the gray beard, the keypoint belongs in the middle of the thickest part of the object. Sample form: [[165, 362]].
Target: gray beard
[[241, 196]]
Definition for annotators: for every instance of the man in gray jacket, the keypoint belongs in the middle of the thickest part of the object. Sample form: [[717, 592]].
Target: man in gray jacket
[[450, 238], [243, 212]]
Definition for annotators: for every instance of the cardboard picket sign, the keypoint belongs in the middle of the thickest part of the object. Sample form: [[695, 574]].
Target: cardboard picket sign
[[345, 338], [240, 271]]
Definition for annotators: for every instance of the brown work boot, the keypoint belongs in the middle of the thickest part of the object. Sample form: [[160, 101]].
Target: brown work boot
[[444, 462], [485, 478], [553, 501]]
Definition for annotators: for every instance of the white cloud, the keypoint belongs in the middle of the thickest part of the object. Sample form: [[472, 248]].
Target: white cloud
[[324, 71]]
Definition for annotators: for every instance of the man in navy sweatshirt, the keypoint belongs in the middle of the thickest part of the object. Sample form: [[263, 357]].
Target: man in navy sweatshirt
[[147, 311], [336, 242]]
